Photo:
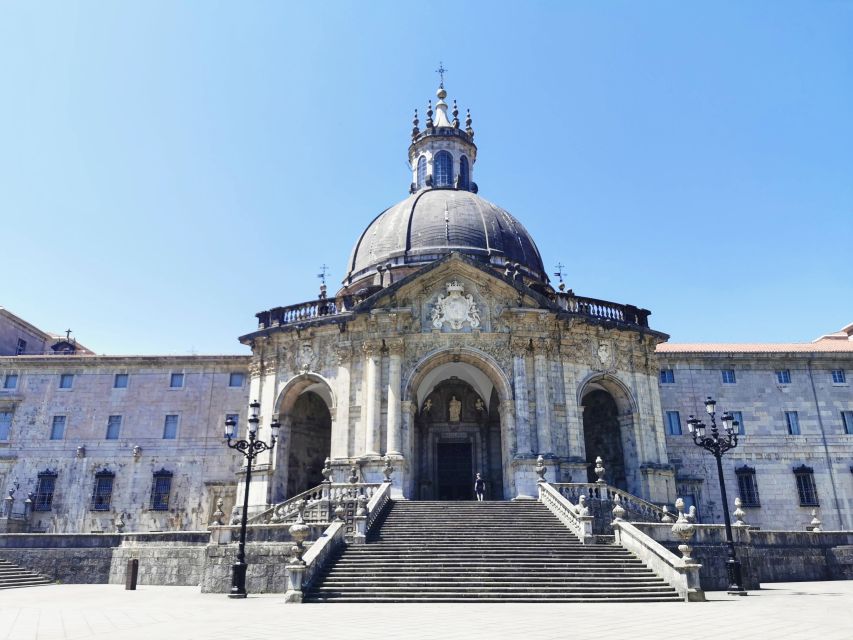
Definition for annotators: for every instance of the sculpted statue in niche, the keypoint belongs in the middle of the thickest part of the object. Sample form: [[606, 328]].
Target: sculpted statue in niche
[[604, 353], [479, 406], [455, 409], [455, 309]]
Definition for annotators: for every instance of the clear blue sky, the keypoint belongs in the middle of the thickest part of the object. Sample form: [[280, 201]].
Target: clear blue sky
[[168, 169]]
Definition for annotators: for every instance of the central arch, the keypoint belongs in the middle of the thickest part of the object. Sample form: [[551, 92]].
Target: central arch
[[462, 424]]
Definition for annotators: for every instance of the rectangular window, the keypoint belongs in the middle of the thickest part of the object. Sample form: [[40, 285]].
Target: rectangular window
[[102, 494], [10, 381], [44, 491], [806, 487], [57, 428], [838, 376], [5, 425], [747, 487], [161, 487], [783, 376], [170, 427], [113, 427], [176, 381], [738, 416], [728, 376], [673, 423], [66, 380], [667, 376], [235, 379], [847, 421], [22, 346], [120, 381], [793, 422]]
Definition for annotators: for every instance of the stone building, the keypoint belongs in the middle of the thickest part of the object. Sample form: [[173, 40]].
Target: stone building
[[448, 350]]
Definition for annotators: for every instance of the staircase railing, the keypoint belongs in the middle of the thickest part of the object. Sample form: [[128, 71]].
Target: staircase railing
[[600, 498], [575, 517], [320, 503]]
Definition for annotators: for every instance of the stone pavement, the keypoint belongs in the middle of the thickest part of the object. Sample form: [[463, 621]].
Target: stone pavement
[[782, 610]]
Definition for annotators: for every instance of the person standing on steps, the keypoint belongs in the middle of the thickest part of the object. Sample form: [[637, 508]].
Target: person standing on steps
[[479, 487]]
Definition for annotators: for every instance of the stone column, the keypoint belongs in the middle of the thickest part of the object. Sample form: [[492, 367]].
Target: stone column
[[371, 398], [508, 439], [340, 426], [394, 445], [520, 349], [543, 401]]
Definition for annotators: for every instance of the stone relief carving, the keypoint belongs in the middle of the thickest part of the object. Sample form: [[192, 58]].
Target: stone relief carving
[[455, 308], [454, 408], [305, 356]]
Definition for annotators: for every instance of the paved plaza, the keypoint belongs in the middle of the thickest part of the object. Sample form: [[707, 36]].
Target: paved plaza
[[782, 610]]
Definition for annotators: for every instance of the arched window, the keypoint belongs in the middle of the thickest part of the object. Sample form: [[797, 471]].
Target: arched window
[[442, 169], [421, 171], [463, 172]]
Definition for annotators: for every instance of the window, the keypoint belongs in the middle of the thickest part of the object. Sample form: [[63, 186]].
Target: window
[[236, 379], [22, 346], [847, 421], [747, 486], [806, 486], [728, 376], [422, 166], [66, 380], [176, 381], [57, 429], [161, 487], [667, 376], [10, 381], [102, 494], [793, 422], [463, 173], [120, 381], [673, 423], [783, 376], [442, 169], [45, 487], [738, 416], [838, 376], [170, 427], [5, 425], [113, 427]]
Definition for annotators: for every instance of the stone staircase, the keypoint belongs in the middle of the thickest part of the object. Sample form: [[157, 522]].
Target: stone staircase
[[484, 552], [12, 576]]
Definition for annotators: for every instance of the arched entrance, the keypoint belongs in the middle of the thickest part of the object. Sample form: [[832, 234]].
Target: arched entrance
[[459, 426], [305, 409], [608, 431]]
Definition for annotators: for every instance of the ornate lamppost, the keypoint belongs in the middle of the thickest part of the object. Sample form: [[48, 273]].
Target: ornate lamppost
[[717, 444], [250, 448]]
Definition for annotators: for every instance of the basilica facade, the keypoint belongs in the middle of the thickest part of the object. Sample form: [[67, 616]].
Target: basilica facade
[[448, 351]]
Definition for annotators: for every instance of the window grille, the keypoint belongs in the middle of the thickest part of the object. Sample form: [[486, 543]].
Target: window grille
[[806, 486], [102, 494], [747, 486], [45, 486], [161, 487]]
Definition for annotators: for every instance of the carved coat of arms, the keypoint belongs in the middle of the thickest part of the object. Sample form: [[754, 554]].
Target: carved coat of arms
[[455, 308]]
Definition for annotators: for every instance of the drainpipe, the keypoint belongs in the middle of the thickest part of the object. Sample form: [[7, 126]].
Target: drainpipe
[[825, 447]]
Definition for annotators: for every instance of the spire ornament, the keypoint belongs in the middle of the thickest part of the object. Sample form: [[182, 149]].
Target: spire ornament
[[415, 123], [429, 122], [455, 113]]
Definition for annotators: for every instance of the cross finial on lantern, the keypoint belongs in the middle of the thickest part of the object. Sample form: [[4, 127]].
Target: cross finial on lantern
[[441, 71]]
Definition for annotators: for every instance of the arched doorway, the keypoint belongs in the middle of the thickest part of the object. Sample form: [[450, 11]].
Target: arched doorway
[[602, 436], [462, 411], [310, 440]]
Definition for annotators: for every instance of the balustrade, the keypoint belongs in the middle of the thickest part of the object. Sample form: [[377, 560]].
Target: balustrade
[[601, 500]]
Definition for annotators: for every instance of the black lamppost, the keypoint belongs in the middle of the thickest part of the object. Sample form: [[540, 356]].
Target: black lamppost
[[718, 444], [250, 448]]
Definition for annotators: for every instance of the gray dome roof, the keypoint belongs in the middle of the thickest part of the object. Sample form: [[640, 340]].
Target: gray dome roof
[[432, 223]]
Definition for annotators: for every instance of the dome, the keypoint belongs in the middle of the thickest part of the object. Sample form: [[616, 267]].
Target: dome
[[434, 222]]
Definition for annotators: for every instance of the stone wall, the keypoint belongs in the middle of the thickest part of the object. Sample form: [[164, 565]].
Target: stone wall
[[265, 574], [68, 558]]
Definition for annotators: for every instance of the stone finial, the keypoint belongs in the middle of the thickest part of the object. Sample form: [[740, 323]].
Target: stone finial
[[667, 516], [739, 513], [327, 471], [583, 510], [815, 523], [81, 451], [219, 513], [361, 510], [387, 470], [618, 509], [339, 510], [298, 532], [599, 470], [540, 469], [136, 451], [120, 524], [683, 529]]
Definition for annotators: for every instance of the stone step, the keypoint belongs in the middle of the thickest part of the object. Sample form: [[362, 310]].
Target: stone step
[[527, 596], [12, 576]]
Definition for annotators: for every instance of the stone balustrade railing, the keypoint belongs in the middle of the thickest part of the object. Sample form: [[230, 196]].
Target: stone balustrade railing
[[681, 573], [601, 499], [320, 502], [575, 516], [602, 309]]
